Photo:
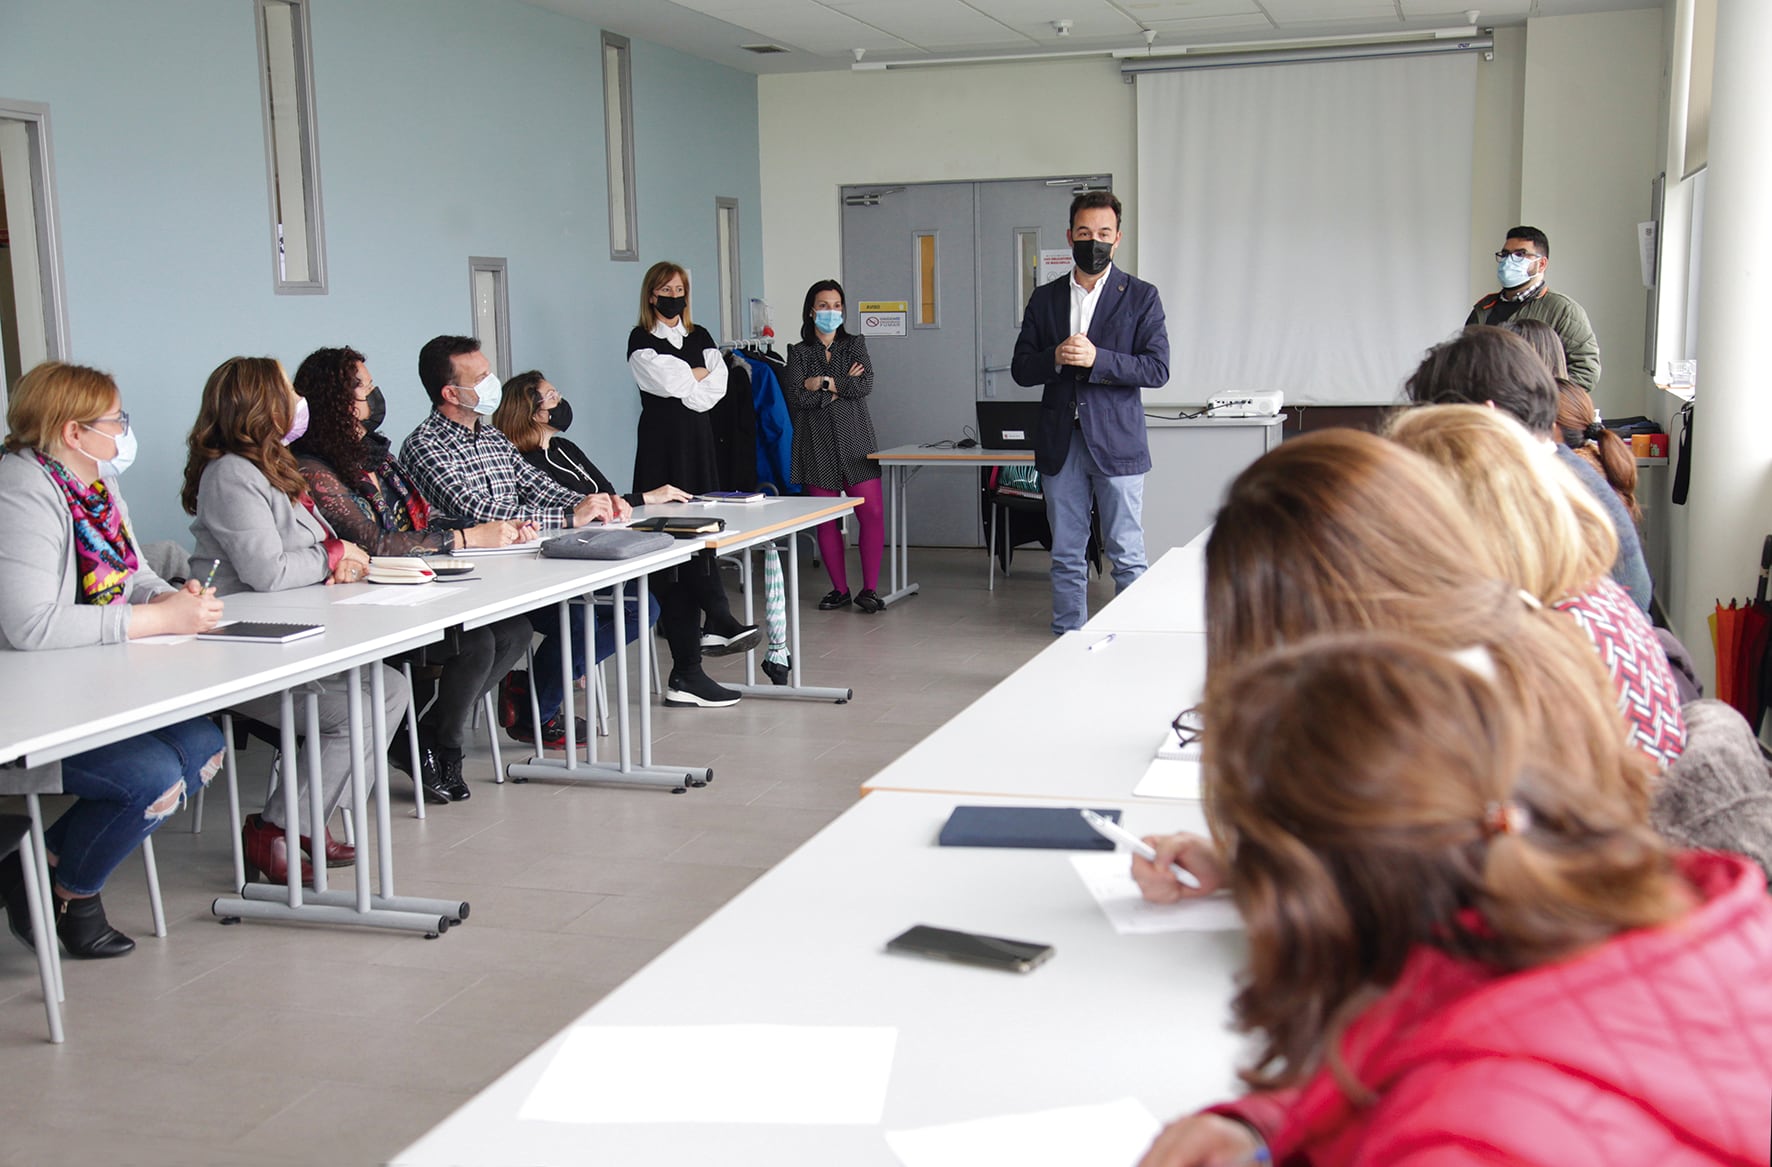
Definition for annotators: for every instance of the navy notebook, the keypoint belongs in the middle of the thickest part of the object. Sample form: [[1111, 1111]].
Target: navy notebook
[[1055, 828]]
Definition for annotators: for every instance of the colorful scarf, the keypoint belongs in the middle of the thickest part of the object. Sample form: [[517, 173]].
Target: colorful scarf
[[103, 549]]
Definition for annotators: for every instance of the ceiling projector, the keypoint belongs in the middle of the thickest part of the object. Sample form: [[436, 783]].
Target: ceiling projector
[[1256, 403]]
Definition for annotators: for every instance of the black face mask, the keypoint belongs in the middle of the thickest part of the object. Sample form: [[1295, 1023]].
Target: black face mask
[[670, 307], [378, 410], [1091, 256], [560, 417]]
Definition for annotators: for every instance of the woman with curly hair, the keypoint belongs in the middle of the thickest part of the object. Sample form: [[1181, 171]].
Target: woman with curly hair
[[255, 518], [364, 495]]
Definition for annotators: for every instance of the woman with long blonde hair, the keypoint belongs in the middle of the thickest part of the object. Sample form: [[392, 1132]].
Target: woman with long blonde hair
[[1548, 536]]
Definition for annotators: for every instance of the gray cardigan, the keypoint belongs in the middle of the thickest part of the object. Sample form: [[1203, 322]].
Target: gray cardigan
[[39, 578], [265, 541]]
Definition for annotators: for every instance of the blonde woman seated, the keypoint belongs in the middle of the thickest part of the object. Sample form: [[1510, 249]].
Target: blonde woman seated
[[1544, 530], [1474, 953]]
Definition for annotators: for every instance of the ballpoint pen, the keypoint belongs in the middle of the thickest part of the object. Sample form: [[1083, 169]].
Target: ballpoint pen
[[214, 566], [1109, 829], [1103, 642]]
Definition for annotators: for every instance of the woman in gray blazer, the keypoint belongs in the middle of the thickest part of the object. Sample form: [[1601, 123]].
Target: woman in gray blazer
[[72, 575], [254, 517]]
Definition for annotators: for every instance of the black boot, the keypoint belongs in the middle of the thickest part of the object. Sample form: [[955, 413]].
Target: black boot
[[449, 779], [86, 933], [12, 890]]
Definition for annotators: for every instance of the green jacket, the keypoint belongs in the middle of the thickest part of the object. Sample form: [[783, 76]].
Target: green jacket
[[1580, 348]]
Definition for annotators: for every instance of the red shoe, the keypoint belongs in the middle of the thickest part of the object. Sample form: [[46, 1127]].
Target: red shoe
[[267, 852], [337, 854], [513, 695]]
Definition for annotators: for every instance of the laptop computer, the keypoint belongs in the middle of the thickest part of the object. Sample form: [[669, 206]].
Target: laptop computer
[[1008, 425]]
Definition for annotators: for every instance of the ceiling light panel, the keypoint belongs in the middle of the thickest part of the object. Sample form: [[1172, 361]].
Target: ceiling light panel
[[1189, 9], [937, 25], [1327, 11], [801, 24], [1089, 18]]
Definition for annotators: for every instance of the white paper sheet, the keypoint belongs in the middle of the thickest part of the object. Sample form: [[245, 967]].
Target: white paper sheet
[[1113, 1134], [175, 637], [1170, 778], [1108, 876], [1169, 747], [397, 596], [717, 1073]]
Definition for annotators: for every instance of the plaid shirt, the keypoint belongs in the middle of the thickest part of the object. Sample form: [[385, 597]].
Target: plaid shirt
[[477, 474]]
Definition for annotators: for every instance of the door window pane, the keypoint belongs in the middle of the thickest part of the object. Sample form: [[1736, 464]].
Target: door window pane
[[1027, 269], [926, 260]]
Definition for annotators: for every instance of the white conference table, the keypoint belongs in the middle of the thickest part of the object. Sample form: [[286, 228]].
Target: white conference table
[[900, 464], [1109, 1016], [1169, 597], [1074, 722]]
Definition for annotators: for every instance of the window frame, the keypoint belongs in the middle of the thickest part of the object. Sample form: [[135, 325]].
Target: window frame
[[729, 270], [626, 196], [499, 269], [308, 139]]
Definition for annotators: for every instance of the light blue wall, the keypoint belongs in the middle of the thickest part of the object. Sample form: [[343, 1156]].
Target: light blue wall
[[448, 128]]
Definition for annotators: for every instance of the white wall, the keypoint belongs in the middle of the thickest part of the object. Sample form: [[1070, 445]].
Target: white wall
[[926, 125], [1495, 155], [1590, 151]]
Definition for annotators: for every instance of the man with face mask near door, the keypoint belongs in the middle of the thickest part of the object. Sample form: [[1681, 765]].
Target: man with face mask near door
[[1094, 341], [1521, 266]]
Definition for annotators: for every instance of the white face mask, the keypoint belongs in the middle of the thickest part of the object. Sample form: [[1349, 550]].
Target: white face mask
[[117, 463], [488, 392]]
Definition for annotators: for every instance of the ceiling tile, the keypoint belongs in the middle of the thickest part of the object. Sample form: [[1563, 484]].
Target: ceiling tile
[[1089, 18], [936, 25], [1324, 11], [1176, 32], [1452, 12]]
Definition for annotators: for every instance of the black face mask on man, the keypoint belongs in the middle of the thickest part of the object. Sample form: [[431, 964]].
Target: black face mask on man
[[1092, 255], [560, 417]]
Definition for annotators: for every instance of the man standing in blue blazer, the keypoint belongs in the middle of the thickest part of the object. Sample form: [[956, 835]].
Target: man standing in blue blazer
[[1094, 341]]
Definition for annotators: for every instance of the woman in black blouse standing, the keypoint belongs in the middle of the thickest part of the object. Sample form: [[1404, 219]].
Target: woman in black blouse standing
[[828, 379], [678, 368]]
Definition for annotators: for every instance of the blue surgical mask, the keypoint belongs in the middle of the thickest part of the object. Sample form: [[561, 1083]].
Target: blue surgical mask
[[827, 320], [1515, 270], [117, 463], [487, 391]]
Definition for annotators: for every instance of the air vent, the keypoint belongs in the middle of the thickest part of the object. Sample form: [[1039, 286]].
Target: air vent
[[763, 50]]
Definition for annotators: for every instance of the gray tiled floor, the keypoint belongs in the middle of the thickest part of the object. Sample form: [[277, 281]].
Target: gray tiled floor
[[272, 1044]]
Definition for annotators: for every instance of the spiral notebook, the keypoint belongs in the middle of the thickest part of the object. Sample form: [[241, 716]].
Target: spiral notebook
[[262, 632]]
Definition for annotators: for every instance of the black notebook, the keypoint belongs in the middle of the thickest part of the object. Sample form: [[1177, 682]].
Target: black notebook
[[681, 526], [262, 632], [1055, 828]]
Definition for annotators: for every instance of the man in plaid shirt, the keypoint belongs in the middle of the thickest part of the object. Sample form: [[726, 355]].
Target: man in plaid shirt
[[466, 468]]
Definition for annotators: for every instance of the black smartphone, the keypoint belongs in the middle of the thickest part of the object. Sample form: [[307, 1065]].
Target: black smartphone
[[971, 948]]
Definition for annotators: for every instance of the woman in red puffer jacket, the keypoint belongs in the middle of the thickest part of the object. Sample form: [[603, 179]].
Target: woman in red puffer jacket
[[1462, 949]]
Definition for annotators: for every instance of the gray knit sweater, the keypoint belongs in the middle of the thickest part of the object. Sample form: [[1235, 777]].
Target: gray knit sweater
[[1717, 796]]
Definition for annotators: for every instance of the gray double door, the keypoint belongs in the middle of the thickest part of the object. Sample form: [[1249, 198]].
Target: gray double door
[[963, 257]]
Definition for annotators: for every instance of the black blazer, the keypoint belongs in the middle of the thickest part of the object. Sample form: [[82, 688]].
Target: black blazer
[[1131, 341]]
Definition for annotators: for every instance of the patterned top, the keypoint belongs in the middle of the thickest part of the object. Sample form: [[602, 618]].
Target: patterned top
[[1647, 694], [388, 518], [833, 436], [478, 475]]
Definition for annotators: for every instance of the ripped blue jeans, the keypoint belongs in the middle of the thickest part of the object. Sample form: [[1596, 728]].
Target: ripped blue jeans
[[122, 795]]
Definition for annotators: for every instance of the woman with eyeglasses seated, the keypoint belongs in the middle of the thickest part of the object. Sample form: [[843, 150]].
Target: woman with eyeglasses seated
[[255, 518], [1341, 531], [363, 495], [71, 575], [1463, 948]]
